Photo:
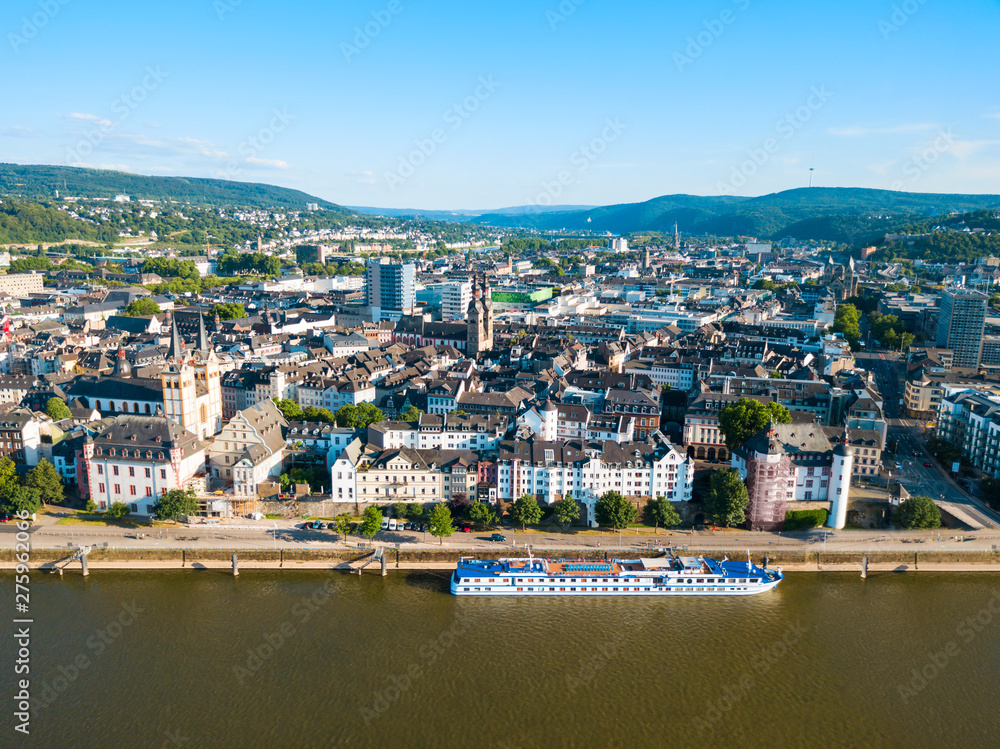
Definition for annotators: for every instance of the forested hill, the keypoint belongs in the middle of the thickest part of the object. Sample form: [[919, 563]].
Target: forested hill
[[41, 181], [851, 215]]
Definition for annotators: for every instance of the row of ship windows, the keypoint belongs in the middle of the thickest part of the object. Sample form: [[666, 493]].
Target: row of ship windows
[[699, 581], [616, 590]]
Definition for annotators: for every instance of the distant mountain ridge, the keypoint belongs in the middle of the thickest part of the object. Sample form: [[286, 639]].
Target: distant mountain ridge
[[42, 181], [464, 215], [842, 214]]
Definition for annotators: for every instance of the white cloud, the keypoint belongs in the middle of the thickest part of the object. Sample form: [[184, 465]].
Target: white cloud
[[270, 163], [854, 132], [17, 131]]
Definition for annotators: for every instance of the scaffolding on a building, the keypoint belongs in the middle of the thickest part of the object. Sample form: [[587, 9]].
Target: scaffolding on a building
[[769, 485]]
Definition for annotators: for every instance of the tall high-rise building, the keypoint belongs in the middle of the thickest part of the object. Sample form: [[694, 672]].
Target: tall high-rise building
[[960, 326], [390, 290], [455, 299]]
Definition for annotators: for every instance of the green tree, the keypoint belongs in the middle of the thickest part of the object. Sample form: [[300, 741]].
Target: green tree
[[440, 521], [57, 409], [525, 511], [117, 510], [46, 479], [614, 511], [371, 522], [483, 512], [846, 320], [231, 311], [342, 524], [360, 416], [411, 414], [312, 413], [91, 506], [740, 421], [917, 512], [289, 409], [22, 499], [8, 476], [661, 512], [399, 509], [414, 510], [567, 510], [727, 498], [142, 307], [176, 504]]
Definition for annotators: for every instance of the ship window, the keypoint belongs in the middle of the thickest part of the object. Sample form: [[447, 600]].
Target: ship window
[[700, 580]]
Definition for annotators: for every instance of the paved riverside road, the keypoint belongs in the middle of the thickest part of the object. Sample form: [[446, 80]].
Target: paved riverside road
[[46, 534]]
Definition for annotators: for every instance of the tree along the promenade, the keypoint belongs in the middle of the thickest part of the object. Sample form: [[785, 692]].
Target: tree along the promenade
[[482, 512], [57, 409], [371, 522], [117, 510], [18, 499], [176, 504], [342, 524], [662, 512], [567, 510], [727, 498], [525, 511], [46, 479], [440, 521], [740, 421], [917, 512], [614, 511]]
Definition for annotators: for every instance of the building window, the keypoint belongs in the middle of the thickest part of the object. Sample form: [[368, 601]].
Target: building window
[[163, 473], [114, 469]]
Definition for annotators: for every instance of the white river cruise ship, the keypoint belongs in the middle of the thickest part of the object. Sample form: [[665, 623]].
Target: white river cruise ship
[[658, 576]]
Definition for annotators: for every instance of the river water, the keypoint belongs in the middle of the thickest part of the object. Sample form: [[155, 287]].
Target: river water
[[290, 659]]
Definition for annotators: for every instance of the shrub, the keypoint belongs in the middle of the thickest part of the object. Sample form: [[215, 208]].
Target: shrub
[[803, 520]]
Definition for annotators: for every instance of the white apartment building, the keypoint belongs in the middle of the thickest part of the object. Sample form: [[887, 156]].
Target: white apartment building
[[551, 470], [440, 432]]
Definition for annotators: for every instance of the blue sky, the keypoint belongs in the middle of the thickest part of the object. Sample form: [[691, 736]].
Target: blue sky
[[400, 103]]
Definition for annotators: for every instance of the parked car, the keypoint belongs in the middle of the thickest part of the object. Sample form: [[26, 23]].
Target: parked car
[[499, 538], [406, 526], [465, 528], [928, 464], [331, 526], [385, 522], [392, 524], [316, 525], [6, 517]]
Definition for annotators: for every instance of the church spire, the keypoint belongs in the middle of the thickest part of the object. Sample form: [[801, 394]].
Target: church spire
[[202, 335], [176, 350]]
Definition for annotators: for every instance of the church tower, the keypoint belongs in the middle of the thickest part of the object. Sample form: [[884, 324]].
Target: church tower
[[480, 321], [192, 385]]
